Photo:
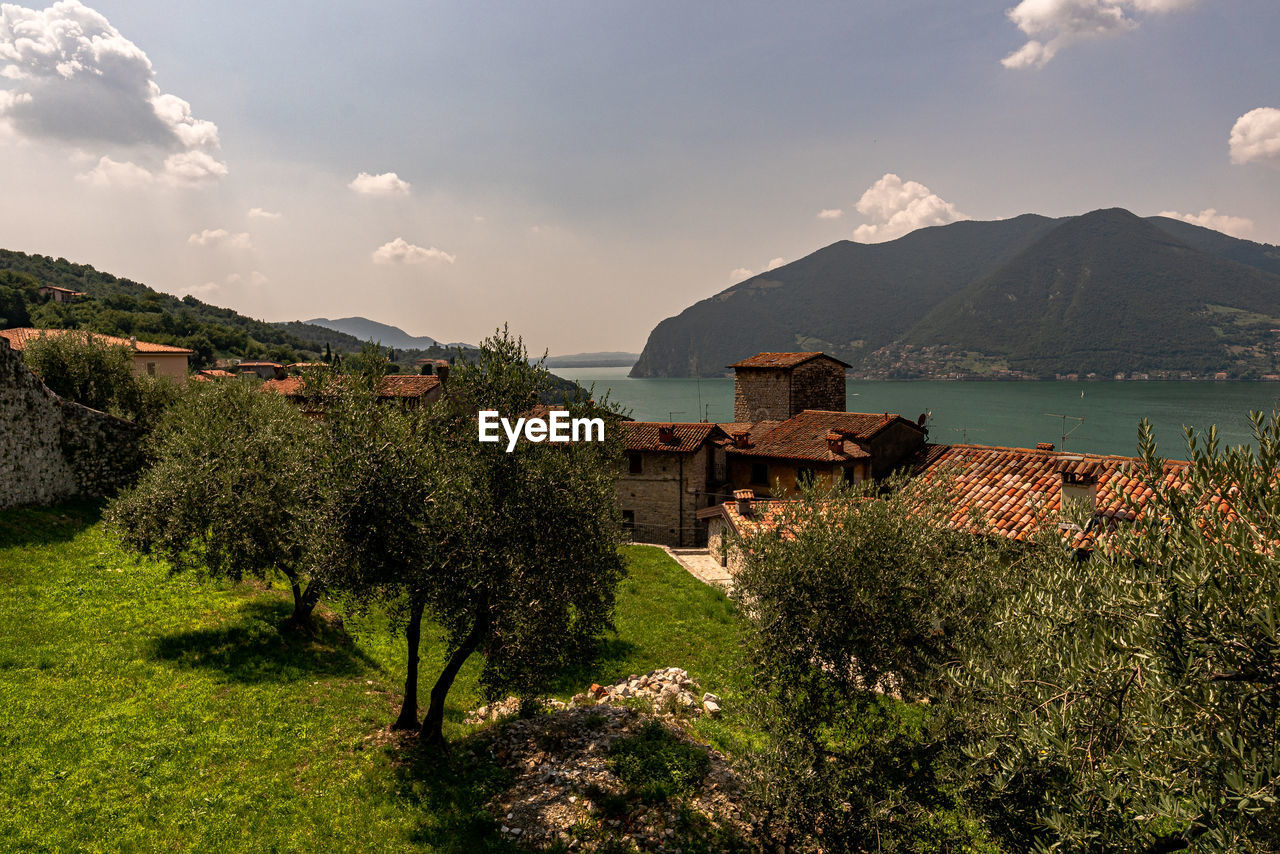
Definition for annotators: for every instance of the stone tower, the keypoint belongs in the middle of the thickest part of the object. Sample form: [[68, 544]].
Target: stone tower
[[776, 386]]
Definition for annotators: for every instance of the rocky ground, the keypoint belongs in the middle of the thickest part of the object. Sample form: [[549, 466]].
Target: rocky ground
[[567, 793]]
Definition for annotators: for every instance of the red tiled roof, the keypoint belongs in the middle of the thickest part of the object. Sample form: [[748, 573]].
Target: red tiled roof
[[260, 365], [686, 439], [804, 436], [19, 338], [1016, 491], [62, 290], [393, 385], [781, 360]]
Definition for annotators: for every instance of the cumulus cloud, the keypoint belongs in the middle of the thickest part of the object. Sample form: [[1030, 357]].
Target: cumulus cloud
[[112, 173], [738, 274], [71, 77], [896, 207], [399, 251], [1051, 25], [774, 264], [830, 213], [259, 213], [1237, 226], [386, 184], [220, 237], [207, 288], [1256, 136]]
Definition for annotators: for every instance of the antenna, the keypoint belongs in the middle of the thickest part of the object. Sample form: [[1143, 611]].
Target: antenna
[[672, 413], [700, 396], [964, 433], [1065, 432]]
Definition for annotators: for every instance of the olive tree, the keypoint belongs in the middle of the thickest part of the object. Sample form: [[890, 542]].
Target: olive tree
[[1129, 702], [230, 490], [534, 567], [855, 604]]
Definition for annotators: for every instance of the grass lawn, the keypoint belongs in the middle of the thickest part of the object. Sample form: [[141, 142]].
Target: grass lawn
[[140, 711]]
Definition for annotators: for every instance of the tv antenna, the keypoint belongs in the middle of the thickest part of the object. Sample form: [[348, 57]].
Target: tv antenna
[[1065, 432], [672, 413], [964, 433]]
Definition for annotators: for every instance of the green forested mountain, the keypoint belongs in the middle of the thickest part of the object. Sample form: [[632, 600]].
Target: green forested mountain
[[1103, 292], [122, 307]]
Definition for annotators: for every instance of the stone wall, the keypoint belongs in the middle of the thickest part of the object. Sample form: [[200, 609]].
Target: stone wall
[[892, 445], [665, 497], [52, 450], [776, 394]]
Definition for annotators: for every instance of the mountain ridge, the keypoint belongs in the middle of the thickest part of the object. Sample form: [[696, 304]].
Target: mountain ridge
[[923, 305]]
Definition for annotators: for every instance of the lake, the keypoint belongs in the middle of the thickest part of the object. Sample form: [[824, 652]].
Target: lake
[[988, 413]]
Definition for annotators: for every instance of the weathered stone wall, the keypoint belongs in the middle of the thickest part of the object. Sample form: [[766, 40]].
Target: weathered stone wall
[[666, 495], [52, 450], [817, 384], [761, 395], [776, 394]]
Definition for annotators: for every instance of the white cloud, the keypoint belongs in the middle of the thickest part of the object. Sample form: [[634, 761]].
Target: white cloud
[[220, 237], [830, 213], [1237, 226], [399, 251], [896, 207], [774, 264], [259, 213], [738, 274], [1051, 25], [199, 291], [1256, 136], [203, 290], [76, 80], [386, 184], [111, 173]]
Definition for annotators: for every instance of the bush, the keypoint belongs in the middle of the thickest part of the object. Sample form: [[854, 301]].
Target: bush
[[657, 765]]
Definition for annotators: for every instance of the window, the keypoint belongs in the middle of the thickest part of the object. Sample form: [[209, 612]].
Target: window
[[805, 476], [628, 519], [151, 369], [852, 475], [760, 473], [637, 463]]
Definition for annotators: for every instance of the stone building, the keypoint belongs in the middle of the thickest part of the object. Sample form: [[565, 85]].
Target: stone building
[[671, 471], [774, 458], [776, 386]]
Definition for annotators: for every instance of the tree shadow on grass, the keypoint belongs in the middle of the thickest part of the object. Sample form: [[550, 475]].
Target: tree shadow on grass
[[450, 791], [608, 657], [253, 647], [45, 526]]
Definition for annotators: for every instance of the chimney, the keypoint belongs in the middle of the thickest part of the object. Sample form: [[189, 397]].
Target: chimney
[[1079, 486], [741, 439], [1044, 446], [133, 341], [442, 371], [744, 497], [835, 443], [667, 434]]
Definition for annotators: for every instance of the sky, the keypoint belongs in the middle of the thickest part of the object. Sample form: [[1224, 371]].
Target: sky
[[582, 169]]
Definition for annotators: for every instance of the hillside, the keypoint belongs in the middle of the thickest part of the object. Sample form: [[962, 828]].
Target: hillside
[[117, 306], [364, 329], [1103, 292]]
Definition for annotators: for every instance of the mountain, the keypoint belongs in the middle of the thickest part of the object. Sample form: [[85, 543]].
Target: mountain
[[1103, 292], [371, 330], [118, 306], [611, 359]]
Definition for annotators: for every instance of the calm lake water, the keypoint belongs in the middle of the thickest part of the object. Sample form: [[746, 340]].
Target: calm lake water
[[988, 413]]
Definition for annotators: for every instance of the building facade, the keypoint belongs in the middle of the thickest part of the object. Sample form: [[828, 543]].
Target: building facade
[[671, 471]]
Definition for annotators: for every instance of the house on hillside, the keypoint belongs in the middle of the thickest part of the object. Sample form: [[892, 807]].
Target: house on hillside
[[157, 360], [263, 370], [671, 471], [60, 294], [410, 390]]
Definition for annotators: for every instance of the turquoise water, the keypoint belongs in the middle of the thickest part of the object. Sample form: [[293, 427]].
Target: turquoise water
[[988, 413]]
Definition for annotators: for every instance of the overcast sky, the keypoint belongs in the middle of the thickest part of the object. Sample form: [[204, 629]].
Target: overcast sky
[[585, 169]]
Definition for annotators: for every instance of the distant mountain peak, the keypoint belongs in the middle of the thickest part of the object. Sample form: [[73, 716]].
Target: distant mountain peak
[[381, 333]]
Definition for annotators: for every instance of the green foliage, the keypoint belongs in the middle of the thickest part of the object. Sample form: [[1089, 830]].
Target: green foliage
[[656, 764], [1130, 702], [229, 491], [847, 597]]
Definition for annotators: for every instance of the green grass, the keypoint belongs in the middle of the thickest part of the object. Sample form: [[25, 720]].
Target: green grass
[[143, 711]]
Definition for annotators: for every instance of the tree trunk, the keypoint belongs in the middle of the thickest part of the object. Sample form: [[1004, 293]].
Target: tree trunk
[[304, 603], [413, 632], [433, 723]]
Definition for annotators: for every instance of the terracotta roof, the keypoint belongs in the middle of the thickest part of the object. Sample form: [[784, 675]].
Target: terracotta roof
[[1016, 491], [393, 385], [804, 436], [782, 360], [62, 290], [260, 365], [19, 338], [686, 437], [764, 515]]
